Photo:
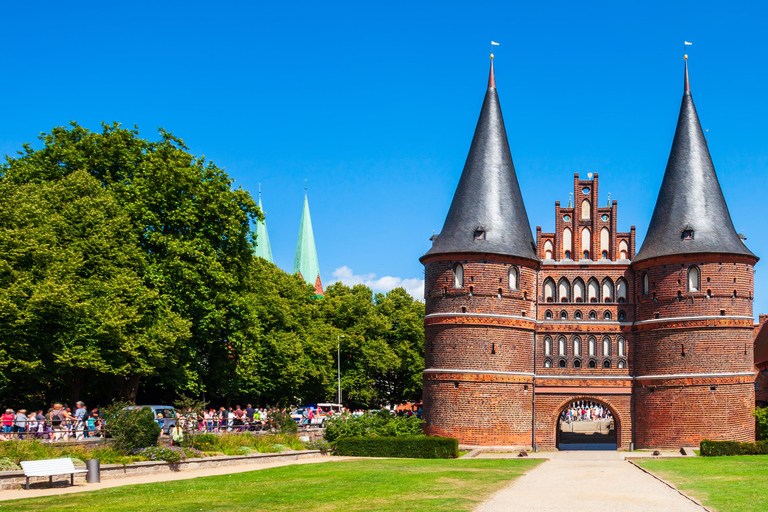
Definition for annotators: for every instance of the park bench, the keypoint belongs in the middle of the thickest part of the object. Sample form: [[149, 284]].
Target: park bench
[[50, 468]]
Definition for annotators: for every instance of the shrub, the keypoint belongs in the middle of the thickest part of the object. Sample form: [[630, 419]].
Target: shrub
[[7, 464], [171, 454], [722, 448], [413, 447], [279, 448], [320, 444], [761, 423], [244, 450], [283, 422], [204, 442], [131, 429], [381, 424]]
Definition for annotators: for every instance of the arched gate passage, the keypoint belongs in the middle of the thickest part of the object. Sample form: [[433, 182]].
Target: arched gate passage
[[587, 423]]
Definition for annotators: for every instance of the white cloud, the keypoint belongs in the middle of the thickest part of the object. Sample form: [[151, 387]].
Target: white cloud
[[414, 286]]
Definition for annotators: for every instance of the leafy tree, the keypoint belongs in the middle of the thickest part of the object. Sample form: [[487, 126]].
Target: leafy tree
[[191, 228], [72, 303]]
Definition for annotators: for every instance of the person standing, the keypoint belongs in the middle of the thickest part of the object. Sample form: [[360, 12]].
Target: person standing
[[20, 423], [81, 413], [7, 419], [58, 422], [177, 435]]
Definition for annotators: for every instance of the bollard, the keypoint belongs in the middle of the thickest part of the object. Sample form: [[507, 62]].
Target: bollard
[[94, 471]]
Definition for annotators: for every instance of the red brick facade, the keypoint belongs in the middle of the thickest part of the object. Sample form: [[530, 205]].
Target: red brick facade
[[511, 342]]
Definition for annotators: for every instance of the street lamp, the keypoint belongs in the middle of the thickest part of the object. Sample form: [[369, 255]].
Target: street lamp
[[338, 360]]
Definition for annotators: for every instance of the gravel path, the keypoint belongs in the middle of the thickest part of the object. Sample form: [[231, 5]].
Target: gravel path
[[587, 481]]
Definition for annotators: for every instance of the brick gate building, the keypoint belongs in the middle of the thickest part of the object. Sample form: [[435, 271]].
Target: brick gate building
[[518, 328]]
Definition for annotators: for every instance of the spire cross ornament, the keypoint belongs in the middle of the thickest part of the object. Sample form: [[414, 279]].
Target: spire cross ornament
[[493, 43]]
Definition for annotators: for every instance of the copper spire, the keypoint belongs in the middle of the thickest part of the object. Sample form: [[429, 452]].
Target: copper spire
[[687, 85], [491, 77]]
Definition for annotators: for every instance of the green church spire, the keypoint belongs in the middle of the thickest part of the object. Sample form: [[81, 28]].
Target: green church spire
[[263, 249], [306, 262]]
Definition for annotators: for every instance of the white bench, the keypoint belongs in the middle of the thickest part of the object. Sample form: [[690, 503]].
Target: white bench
[[49, 468]]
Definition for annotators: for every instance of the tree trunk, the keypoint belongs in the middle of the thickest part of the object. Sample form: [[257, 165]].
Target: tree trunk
[[128, 387], [74, 383]]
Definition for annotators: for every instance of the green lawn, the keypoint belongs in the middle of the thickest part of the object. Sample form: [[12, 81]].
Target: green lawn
[[727, 484], [358, 485]]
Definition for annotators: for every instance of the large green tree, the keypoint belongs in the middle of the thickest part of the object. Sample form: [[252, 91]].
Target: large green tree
[[191, 227], [73, 305]]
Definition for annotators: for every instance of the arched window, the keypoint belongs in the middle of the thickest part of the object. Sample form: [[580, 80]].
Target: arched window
[[577, 315], [578, 290], [605, 242], [547, 346], [576, 346], [607, 290], [607, 315], [592, 363], [694, 280], [593, 315], [591, 342], [561, 363], [621, 346], [547, 363], [561, 346], [564, 291], [585, 242], [567, 242], [549, 290], [623, 249], [621, 290], [458, 276], [622, 315], [563, 315], [621, 365], [548, 250], [585, 209], [606, 346], [646, 284], [593, 290], [514, 274], [548, 315], [606, 364], [576, 363]]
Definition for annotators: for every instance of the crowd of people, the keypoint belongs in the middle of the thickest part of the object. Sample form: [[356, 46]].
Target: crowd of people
[[585, 410], [59, 423], [226, 419]]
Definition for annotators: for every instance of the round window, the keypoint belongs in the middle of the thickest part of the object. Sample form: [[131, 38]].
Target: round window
[[605, 218], [567, 218], [585, 190]]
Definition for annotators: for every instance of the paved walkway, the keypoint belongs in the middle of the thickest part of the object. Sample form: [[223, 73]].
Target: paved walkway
[[161, 477], [586, 481]]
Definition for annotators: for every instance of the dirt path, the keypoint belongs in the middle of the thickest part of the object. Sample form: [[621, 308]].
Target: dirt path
[[587, 481], [163, 477]]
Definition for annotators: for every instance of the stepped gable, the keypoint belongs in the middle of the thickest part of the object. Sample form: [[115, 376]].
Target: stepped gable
[[487, 214], [691, 215]]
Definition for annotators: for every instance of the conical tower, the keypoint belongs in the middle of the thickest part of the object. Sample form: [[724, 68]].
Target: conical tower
[[694, 374], [305, 263], [480, 284], [263, 249]]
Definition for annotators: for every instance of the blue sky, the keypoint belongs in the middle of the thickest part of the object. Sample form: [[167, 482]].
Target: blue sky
[[375, 105]]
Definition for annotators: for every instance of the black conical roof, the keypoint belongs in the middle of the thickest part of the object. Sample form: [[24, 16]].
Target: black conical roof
[[690, 198], [488, 196]]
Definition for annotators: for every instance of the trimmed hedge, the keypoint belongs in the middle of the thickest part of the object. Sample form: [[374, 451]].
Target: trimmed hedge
[[722, 448], [411, 447]]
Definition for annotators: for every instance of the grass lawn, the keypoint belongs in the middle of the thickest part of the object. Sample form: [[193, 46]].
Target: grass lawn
[[357, 485], [727, 484]]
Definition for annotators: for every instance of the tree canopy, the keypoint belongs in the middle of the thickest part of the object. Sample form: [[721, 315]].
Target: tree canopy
[[127, 269]]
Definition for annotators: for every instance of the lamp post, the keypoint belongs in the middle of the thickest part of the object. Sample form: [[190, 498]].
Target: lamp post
[[338, 360]]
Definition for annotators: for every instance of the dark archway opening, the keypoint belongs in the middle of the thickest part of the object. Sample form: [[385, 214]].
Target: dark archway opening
[[586, 424]]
